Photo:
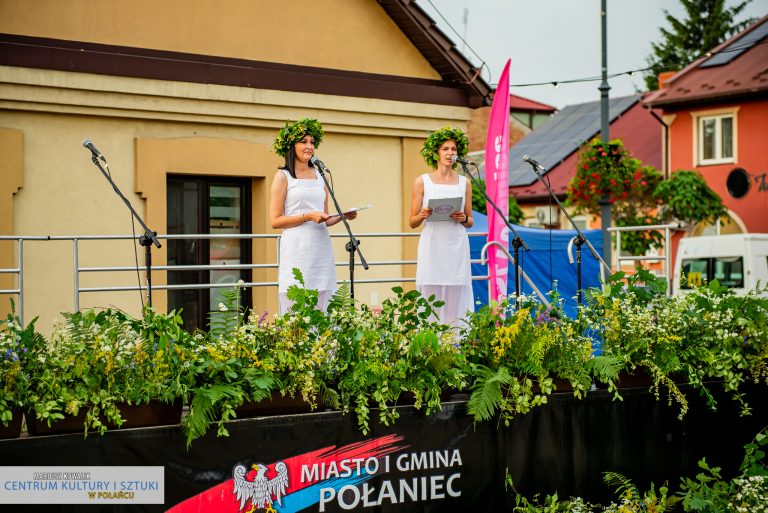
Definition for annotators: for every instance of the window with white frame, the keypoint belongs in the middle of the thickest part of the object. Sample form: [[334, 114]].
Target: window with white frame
[[716, 135]]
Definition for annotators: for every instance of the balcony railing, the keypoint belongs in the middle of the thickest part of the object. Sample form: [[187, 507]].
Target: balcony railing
[[77, 270]]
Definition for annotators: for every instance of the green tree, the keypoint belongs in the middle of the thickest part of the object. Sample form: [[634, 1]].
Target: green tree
[[707, 24], [687, 197], [515, 214]]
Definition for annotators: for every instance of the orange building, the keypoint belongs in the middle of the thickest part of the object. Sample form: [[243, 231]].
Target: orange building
[[717, 113]]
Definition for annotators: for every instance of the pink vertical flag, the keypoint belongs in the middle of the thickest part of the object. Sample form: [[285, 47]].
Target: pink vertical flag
[[497, 184]]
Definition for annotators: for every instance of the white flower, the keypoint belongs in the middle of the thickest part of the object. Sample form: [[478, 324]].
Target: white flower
[[222, 307]]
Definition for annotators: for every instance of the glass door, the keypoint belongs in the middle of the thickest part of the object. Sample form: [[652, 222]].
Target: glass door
[[206, 205]]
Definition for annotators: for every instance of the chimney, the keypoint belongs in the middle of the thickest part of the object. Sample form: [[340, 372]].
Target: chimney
[[664, 77]]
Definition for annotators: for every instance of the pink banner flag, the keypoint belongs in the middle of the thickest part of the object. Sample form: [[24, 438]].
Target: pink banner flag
[[497, 185]]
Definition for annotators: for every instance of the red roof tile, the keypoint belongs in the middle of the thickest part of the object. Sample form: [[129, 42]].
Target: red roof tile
[[520, 103], [745, 75]]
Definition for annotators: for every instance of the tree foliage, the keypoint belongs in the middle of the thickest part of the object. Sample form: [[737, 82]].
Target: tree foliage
[[687, 197], [706, 24], [515, 214]]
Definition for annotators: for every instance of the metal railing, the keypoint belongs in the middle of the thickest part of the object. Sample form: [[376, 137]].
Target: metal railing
[[510, 258], [666, 257], [78, 270]]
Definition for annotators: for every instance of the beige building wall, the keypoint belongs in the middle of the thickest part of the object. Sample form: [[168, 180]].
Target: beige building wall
[[350, 35], [149, 128]]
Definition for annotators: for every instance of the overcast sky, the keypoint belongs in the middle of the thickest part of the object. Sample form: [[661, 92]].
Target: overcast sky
[[555, 40]]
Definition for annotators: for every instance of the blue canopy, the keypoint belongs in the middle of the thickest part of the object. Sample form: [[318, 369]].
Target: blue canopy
[[546, 263]]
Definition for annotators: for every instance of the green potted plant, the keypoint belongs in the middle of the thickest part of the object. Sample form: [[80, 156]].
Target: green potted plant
[[228, 368], [400, 356], [513, 349], [17, 343], [728, 339], [640, 334], [97, 365]]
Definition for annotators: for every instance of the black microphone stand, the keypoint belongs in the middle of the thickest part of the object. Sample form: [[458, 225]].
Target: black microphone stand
[[145, 240], [353, 244], [579, 239], [517, 241]]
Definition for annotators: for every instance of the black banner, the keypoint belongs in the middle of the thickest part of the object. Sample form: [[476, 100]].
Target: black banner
[[321, 462]]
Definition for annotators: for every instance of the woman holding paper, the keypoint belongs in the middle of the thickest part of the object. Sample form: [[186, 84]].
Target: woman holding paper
[[442, 200], [299, 205]]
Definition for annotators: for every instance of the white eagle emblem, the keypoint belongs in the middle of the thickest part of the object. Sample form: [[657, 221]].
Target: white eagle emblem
[[260, 490]]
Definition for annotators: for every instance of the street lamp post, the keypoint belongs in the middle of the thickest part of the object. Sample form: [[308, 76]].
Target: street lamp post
[[605, 205]]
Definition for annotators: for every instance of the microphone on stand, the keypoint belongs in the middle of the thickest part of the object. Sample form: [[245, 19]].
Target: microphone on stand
[[96, 153], [319, 164], [460, 160], [533, 162]]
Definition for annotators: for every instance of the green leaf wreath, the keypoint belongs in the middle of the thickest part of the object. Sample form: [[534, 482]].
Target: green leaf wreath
[[292, 132], [438, 137]]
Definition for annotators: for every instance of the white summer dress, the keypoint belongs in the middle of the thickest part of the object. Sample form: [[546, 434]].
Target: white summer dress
[[442, 265], [306, 246]]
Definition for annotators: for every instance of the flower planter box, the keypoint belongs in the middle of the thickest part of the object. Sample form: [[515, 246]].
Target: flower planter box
[[275, 405], [636, 379], [560, 385], [13, 430], [69, 424], [154, 413]]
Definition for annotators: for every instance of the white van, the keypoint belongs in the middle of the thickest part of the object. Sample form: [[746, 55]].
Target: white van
[[738, 261]]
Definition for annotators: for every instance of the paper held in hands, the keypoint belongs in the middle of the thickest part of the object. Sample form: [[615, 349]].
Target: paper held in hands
[[353, 209], [443, 208]]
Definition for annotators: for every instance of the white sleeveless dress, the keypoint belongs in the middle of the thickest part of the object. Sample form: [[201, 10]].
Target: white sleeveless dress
[[306, 246], [443, 266]]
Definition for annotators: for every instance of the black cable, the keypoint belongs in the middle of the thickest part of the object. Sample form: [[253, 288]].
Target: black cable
[[136, 259], [707, 55]]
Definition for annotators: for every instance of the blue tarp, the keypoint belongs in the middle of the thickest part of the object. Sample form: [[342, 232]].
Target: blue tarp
[[546, 263]]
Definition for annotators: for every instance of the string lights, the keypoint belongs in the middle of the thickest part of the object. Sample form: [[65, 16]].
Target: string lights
[[556, 83], [631, 73]]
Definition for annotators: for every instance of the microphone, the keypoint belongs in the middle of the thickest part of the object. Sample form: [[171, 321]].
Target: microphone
[[533, 162], [318, 163], [96, 153], [460, 160]]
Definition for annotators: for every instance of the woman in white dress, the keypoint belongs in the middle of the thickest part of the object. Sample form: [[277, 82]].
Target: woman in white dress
[[299, 205], [443, 266]]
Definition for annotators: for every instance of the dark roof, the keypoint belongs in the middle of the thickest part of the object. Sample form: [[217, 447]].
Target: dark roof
[[560, 136], [737, 68], [437, 48]]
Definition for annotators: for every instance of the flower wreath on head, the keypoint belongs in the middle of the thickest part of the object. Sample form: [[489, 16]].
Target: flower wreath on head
[[292, 132], [438, 137]]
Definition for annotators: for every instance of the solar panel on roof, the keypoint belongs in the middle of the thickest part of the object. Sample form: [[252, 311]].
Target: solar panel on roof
[[736, 48]]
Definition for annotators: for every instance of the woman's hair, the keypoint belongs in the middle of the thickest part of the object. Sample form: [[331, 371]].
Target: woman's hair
[[437, 138]]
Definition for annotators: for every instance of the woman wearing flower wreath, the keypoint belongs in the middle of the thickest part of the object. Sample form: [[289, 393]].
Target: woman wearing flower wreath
[[299, 205], [442, 266]]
